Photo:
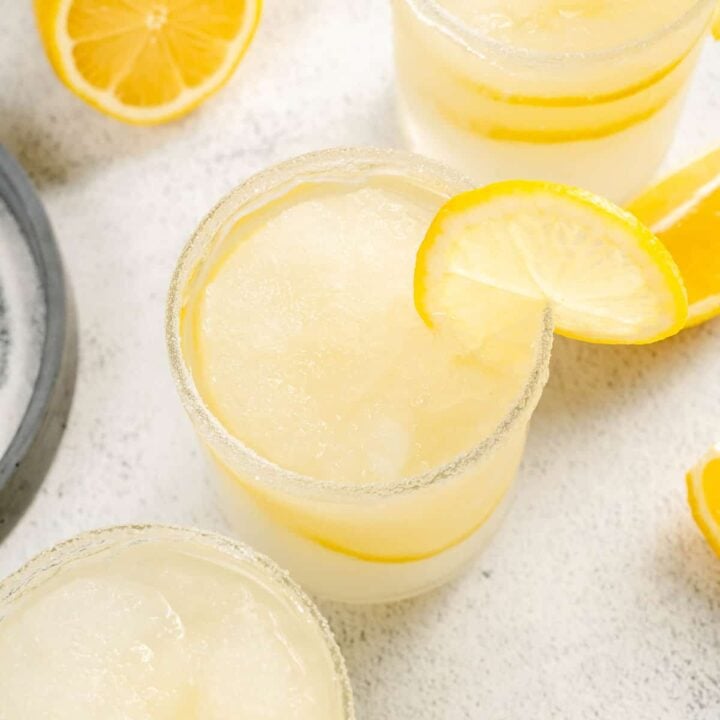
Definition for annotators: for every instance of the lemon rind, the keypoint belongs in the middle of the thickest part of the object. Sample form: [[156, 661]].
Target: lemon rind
[[693, 479]]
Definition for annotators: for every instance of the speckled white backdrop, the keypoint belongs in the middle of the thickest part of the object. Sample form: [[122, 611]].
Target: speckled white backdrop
[[598, 599]]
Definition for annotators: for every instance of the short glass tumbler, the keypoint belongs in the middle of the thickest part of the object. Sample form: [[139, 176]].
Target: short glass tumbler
[[387, 534], [547, 90], [164, 622]]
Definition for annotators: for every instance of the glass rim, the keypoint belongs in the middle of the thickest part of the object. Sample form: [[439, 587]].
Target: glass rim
[[433, 13], [90, 542], [287, 174]]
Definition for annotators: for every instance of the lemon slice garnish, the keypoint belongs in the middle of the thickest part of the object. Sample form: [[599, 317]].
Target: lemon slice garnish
[[492, 254]]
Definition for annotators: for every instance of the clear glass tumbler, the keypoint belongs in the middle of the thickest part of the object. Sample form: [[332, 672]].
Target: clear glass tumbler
[[347, 540], [159, 619], [600, 118]]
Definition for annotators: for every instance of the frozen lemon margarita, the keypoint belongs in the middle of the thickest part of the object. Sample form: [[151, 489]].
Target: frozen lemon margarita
[[163, 623], [585, 92], [360, 345], [365, 451]]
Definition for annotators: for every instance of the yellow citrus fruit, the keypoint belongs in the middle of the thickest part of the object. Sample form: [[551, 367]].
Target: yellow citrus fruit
[[716, 23], [703, 485], [684, 212], [604, 274], [146, 61]]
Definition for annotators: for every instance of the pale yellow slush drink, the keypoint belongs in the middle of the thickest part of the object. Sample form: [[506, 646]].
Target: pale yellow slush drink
[[164, 623]]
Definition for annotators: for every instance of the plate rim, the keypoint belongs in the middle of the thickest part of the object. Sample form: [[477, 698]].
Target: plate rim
[[18, 192]]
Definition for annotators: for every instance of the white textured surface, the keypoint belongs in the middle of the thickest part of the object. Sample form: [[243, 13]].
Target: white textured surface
[[598, 599]]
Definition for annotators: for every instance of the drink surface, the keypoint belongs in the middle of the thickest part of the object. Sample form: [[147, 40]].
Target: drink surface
[[558, 26], [304, 341], [152, 631]]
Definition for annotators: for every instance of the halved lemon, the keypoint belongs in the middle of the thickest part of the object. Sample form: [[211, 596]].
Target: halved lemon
[[684, 212], [605, 275], [703, 486], [146, 61]]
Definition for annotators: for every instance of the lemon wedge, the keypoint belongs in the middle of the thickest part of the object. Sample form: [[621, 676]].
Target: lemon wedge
[[490, 252], [684, 212], [146, 61], [703, 485]]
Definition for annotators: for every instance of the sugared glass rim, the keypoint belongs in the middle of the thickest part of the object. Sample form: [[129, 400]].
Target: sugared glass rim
[[42, 567], [256, 192], [433, 13]]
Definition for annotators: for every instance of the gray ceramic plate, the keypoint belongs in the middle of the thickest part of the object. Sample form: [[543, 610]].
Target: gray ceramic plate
[[33, 317]]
